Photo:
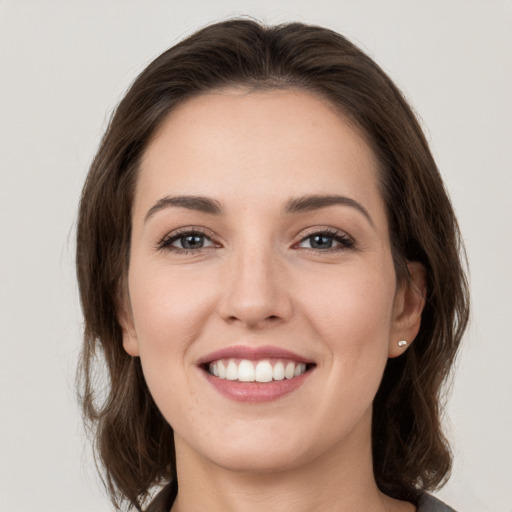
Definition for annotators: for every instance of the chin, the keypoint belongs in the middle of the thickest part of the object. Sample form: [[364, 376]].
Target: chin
[[257, 459], [246, 447]]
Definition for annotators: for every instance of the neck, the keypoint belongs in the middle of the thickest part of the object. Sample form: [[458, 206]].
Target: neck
[[341, 479]]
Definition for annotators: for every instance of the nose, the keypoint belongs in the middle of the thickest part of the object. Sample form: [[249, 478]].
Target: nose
[[256, 291]]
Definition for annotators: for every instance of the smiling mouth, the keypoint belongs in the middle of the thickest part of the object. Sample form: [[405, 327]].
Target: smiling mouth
[[264, 370]]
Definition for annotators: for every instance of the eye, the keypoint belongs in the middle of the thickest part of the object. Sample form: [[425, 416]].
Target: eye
[[327, 240], [186, 242], [192, 241]]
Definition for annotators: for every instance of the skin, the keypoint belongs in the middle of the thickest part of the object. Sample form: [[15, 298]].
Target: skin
[[258, 282]]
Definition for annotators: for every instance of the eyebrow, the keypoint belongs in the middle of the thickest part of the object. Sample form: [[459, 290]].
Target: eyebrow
[[198, 203], [316, 202], [296, 205]]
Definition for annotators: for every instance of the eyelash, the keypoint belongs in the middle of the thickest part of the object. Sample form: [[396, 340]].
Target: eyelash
[[166, 242], [345, 241]]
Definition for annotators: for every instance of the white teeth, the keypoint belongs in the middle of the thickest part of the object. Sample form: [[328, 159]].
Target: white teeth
[[263, 372], [289, 372], [246, 372], [252, 371], [278, 371], [232, 371], [222, 370], [299, 369]]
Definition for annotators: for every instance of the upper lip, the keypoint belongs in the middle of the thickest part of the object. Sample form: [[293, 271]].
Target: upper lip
[[252, 354]]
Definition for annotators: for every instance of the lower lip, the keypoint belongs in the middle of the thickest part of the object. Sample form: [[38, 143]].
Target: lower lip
[[256, 391]]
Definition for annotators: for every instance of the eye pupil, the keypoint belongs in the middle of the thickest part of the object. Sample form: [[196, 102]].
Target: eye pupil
[[192, 241], [321, 242]]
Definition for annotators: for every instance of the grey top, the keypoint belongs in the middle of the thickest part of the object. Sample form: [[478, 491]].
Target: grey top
[[430, 504]]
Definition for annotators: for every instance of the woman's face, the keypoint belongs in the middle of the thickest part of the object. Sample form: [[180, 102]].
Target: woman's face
[[262, 295]]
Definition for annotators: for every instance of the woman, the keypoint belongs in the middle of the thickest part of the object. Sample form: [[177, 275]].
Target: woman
[[269, 266]]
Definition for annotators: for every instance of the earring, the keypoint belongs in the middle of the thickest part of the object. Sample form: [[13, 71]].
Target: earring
[[402, 343]]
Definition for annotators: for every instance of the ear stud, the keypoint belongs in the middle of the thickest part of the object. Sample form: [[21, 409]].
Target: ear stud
[[402, 343]]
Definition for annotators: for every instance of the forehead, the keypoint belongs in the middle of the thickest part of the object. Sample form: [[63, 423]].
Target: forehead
[[249, 145]]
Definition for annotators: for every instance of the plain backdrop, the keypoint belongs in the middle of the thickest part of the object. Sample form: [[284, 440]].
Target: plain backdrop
[[65, 64]]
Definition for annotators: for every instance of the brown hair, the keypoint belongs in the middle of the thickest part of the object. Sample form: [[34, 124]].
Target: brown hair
[[133, 441]]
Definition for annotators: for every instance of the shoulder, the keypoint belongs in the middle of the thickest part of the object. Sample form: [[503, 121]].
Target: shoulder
[[428, 503]]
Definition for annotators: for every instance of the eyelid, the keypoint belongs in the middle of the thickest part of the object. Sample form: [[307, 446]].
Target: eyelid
[[169, 238], [343, 238]]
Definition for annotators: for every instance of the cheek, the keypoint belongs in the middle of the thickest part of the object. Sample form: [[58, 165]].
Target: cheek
[[169, 309], [169, 313], [353, 307], [351, 315]]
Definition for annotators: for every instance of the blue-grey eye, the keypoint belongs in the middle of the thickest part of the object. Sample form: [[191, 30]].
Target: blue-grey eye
[[321, 242], [326, 241], [191, 241]]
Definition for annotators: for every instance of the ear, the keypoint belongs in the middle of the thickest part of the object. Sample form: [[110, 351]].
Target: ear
[[408, 307], [125, 317]]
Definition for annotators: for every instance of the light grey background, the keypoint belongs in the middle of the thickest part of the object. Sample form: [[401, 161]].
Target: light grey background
[[65, 64]]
